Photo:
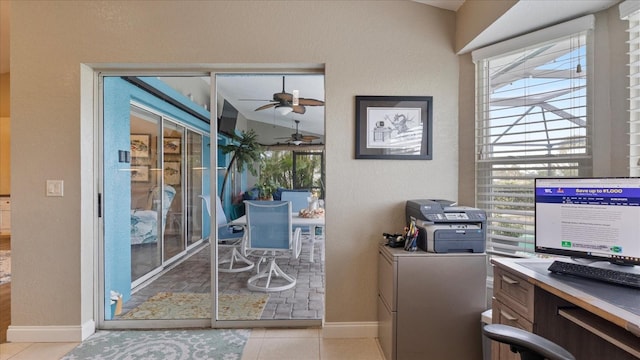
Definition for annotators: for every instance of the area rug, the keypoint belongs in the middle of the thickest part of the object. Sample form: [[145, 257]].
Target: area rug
[[5, 266], [170, 305], [223, 344]]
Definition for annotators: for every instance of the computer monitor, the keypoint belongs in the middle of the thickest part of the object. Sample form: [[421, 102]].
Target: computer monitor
[[596, 218]]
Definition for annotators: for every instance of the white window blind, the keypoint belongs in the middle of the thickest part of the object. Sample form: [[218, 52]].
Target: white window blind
[[631, 11], [531, 121]]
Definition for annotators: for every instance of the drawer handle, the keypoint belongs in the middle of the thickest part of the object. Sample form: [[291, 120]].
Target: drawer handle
[[509, 280], [508, 316]]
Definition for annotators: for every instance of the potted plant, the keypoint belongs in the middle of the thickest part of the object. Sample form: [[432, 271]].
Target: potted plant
[[266, 188], [246, 153]]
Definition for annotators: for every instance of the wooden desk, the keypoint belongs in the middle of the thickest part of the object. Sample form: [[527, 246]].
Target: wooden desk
[[591, 319]]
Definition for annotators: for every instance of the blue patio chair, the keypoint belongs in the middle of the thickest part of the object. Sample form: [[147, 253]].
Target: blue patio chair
[[228, 236], [269, 231], [300, 200]]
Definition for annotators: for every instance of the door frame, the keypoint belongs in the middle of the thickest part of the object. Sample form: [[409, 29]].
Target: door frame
[[93, 187]]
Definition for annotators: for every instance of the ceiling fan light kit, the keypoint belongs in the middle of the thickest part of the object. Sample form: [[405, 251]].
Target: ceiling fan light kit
[[284, 109]]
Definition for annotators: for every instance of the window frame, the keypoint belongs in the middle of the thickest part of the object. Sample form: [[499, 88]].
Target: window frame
[[581, 165]]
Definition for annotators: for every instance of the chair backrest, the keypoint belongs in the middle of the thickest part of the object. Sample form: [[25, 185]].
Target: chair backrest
[[224, 232], [221, 217], [168, 195], [167, 198], [269, 225], [299, 199]]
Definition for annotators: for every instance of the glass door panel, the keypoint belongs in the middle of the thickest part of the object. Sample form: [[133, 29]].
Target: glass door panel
[[152, 179], [146, 197], [172, 149]]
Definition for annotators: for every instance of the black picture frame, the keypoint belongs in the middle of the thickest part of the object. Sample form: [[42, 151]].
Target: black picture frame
[[394, 127]]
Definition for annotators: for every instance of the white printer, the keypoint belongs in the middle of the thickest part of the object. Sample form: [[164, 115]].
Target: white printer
[[445, 228]]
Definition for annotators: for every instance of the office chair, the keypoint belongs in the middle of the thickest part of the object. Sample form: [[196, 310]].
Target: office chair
[[529, 345], [228, 236], [269, 231]]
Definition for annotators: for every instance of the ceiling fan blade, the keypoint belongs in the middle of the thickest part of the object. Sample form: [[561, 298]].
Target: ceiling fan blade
[[310, 102], [266, 106], [299, 109], [309, 137]]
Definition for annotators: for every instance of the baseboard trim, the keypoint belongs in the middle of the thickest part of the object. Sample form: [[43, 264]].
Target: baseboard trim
[[368, 329], [71, 333]]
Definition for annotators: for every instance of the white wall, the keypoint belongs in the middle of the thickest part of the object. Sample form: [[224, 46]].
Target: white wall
[[367, 48]]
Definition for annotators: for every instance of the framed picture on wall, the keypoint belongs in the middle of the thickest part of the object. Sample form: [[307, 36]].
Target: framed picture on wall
[[172, 145], [172, 172], [140, 173], [394, 127], [140, 145]]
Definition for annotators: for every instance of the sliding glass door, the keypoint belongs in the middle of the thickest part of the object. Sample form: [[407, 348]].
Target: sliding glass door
[[154, 174]]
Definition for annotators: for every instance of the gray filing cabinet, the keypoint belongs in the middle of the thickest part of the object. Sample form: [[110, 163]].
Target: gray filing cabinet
[[429, 305]]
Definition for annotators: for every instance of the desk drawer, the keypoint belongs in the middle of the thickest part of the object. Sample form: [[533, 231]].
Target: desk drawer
[[503, 315], [514, 292]]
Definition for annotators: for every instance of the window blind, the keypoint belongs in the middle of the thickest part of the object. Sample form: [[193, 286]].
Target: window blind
[[531, 121], [631, 12]]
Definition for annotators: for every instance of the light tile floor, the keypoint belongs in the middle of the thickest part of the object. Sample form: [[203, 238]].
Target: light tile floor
[[264, 344]]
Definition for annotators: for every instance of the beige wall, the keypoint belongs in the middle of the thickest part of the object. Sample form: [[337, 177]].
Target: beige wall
[[367, 47], [474, 16]]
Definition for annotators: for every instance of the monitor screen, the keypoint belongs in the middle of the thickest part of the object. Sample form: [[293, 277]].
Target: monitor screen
[[227, 121], [597, 218]]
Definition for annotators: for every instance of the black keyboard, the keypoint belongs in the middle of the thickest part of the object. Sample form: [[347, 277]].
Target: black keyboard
[[591, 272]]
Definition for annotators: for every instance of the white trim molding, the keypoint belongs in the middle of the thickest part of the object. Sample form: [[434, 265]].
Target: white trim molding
[[64, 333], [553, 32], [368, 329]]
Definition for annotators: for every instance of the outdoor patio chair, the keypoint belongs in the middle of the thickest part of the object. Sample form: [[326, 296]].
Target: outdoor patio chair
[[228, 236], [269, 231], [300, 200]]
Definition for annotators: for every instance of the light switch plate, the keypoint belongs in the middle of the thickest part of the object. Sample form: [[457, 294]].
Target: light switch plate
[[55, 188]]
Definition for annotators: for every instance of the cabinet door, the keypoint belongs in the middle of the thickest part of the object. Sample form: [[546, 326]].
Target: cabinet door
[[440, 302]]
